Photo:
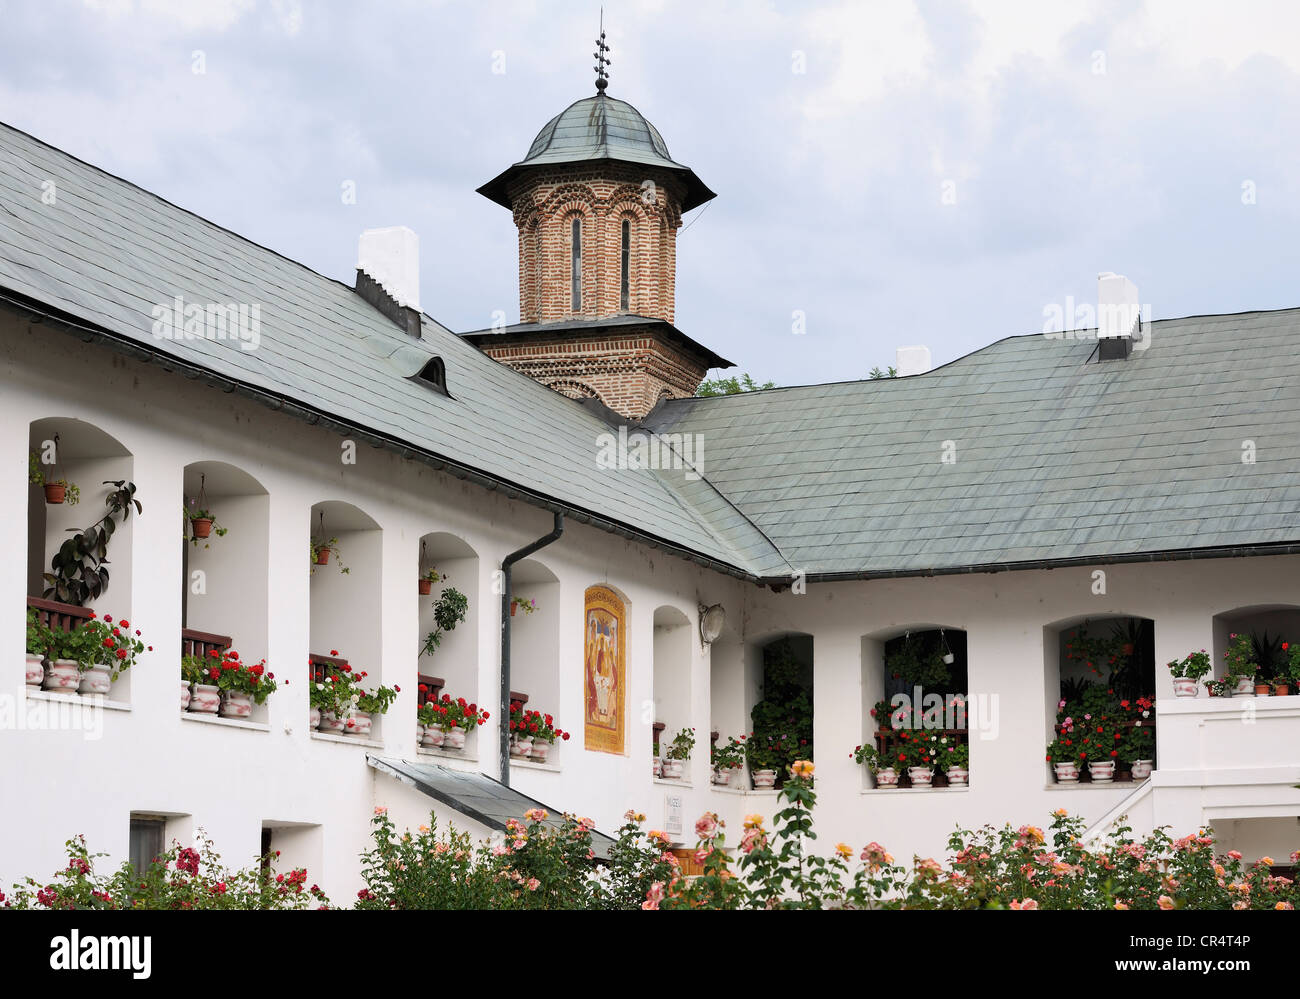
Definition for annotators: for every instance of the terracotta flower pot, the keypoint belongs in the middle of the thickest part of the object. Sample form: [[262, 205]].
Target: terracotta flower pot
[[426, 587], [1185, 686], [62, 675], [202, 527], [185, 694], [1102, 771], [35, 670], [1282, 689], [206, 699], [886, 777], [359, 724], [55, 492], [958, 776], [434, 737], [513, 610], [236, 704], [322, 556], [764, 778], [1142, 769], [1067, 772]]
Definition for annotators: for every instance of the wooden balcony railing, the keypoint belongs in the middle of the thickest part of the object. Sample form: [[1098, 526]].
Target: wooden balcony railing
[[58, 616], [200, 643]]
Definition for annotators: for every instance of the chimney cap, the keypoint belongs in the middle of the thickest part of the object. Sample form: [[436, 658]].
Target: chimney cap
[[391, 256], [912, 361]]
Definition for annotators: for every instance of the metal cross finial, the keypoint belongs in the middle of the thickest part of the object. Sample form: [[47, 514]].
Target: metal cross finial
[[602, 57]]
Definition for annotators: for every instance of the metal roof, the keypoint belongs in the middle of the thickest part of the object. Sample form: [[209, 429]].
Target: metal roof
[[477, 796], [599, 128]]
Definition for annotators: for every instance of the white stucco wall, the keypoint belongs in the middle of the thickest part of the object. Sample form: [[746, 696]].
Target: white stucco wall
[[319, 794]]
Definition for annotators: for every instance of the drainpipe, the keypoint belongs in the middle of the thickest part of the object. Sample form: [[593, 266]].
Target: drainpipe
[[503, 719]]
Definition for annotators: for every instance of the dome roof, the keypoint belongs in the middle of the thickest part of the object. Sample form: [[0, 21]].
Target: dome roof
[[599, 128]]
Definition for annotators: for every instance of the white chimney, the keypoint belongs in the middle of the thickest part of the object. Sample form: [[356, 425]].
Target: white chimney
[[912, 360], [391, 257], [1118, 309]]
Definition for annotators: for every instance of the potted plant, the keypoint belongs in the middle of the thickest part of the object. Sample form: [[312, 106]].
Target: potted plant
[[916, 754], [427, 579], [519, 603], [544, 737], [954, 760], [320, 553], [1065, 758], [1187, 671], [1139, 748], [763, 757], [39, 641], [202, 524], [450, 610], [57, 490], [366, 705], [241, 684], [324, 698], [725, 759], [531, 731], [193, 671], [448, 721], [879, 764], [679, 751], [919, 662], [1241, 663], [103, 651], [1291, 670], [204, 673], [657, 767]]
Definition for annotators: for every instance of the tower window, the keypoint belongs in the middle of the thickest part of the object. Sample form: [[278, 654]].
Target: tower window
[[575, 287], [624, 297]]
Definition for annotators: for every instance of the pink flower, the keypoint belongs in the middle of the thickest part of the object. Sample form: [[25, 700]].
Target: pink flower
[[654, 896], [706, 826], [1165, 902], [1027, 903], [533, 884]]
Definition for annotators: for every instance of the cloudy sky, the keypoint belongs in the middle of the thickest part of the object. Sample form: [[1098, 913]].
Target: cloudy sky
[[899, 172]]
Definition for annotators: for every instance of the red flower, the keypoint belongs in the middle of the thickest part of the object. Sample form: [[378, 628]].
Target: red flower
[[334, 653], [397, 688], [108, 618], [121, 653], [566, 736]]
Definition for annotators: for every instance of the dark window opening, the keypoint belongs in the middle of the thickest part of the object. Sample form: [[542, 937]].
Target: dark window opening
[[624, 296], [146, 842], [575, 287], [434, 374]]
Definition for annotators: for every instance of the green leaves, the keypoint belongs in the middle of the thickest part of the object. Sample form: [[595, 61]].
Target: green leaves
[[449, 611], [79, 568]]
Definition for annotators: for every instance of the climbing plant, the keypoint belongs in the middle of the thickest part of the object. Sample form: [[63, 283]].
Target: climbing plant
[[449, 611], [80, 566]]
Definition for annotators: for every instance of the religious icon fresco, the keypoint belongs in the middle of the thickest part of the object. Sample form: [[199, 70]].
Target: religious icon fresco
[[604, 686]]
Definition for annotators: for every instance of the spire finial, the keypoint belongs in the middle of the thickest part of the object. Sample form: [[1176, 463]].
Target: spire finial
[[601, 55]]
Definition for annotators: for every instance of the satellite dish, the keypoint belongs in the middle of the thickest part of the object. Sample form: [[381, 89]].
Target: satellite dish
[[711, 621]]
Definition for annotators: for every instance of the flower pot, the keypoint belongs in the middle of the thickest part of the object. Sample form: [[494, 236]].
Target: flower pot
[[958, 776], [62, 674], [1103, 771], [35, 670], [359, 723], [426, 587], [764, 778], [96, 680], [1282, 689], [541, 749], [202, 527], [236, 704], [1066, 772], [1263, 689], [1123, 776], [206, 699], [1245, 687], [1185, 686], [657, 767], [513, 610], [185, 694], [674, 769], [455, 739], [313, 719], [1213, 690], [55, 492], [521, 749], [330, 722], [1142, 769], [434, 737], [920, 776], [322, 556], [886, 777], [722, 777]]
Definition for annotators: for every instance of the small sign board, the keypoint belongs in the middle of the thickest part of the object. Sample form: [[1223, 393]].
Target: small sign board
[[673, 808]]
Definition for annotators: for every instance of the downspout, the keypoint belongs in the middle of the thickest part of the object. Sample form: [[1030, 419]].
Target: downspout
[[503, 719]]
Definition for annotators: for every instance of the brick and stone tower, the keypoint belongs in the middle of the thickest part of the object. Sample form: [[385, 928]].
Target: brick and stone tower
[[598, 202]]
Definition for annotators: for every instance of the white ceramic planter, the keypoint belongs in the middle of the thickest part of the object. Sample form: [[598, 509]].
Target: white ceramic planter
[[722, 777], [1103, 771], [361, 723], [63, 675], [920, 776], [206, 699], [434, 737], [764, 778], [1067, 772], [1245, 687], [958, 776], [1142, 769], [886, 777], [185, 695], [674, 769], [455, 739], [313, 719], [330, 722], [35, 675], [1186, 687], [657, 767], [96, 680], [521, 749], [236, 704]]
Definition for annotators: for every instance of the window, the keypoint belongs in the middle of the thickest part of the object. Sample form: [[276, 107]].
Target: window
[[147, 837], [623, 295], [575, 288], [434, 374]]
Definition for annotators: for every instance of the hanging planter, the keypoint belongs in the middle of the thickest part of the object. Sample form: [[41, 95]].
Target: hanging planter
[[323, 546], [518, 603], [202, 521], [41, 473]]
